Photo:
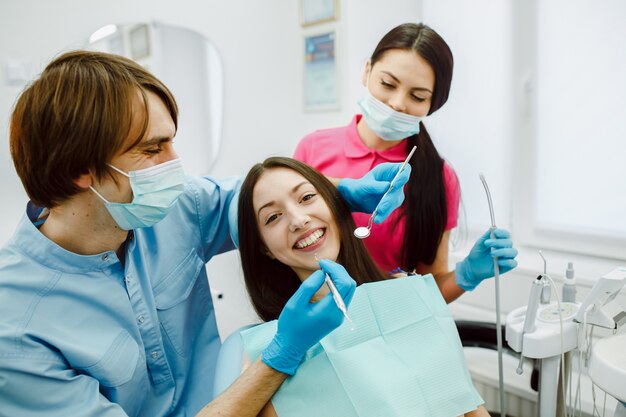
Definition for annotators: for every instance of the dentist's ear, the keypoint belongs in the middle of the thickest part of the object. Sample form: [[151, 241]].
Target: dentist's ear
[[84, 180], [366, 73]]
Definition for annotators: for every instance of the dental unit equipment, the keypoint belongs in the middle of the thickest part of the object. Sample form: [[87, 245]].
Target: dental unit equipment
[[335, 293], [497, 283], [531, 315], [363, 231], [600, 306], [550, 332], [544, 298]]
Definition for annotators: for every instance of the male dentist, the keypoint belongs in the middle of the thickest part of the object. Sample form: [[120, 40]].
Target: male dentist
[[105, 307]]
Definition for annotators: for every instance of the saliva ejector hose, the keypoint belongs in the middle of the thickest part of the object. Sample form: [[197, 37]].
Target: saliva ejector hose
[[496, 270]]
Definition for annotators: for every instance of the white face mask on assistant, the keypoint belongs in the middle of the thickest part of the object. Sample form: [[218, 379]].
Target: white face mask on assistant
[[155, 192], [387, 123]]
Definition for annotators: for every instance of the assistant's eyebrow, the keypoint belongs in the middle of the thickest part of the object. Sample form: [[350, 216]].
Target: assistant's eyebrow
[[398, 81], [293, 190]]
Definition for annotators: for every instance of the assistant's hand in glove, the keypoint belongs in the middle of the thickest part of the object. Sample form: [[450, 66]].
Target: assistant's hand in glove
[[478, 265], [302, 324], [363, 194]]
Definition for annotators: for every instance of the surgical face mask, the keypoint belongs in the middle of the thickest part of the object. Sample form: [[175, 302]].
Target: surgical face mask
[[155, 191], [387, 123]]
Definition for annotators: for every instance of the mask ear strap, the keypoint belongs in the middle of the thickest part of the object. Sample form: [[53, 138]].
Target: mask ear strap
[[99, 195], [119, 170]]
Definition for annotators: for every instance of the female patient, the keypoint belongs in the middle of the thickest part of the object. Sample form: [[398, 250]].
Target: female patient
[[289, 217]]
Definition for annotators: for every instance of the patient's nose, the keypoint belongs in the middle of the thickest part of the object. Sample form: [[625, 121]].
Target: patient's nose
[[298, 220]]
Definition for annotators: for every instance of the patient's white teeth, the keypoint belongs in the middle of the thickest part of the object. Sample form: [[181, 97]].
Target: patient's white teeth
[[309, 240]]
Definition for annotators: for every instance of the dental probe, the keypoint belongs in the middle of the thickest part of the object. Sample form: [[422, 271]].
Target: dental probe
[[336, 296], [496, 270], [364, 231]]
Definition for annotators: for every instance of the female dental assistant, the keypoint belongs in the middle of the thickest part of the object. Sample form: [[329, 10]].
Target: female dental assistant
[[407, 78]]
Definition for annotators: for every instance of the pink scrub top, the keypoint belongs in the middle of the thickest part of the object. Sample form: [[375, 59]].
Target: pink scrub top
[[340, 153]]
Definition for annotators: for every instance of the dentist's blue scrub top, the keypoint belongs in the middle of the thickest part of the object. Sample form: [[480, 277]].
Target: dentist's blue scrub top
[[87, 336]]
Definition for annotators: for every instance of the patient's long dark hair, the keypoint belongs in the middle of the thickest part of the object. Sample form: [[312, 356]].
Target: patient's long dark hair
[[425, 207], [271, 283]]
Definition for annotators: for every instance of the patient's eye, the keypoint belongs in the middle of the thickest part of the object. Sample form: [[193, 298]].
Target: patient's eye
[[271, 218], [308, 196]]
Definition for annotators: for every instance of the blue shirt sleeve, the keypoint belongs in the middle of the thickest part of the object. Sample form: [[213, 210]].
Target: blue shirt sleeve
[[216, 207], [50, 389]]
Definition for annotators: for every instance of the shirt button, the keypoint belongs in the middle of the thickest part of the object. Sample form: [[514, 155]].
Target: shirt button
[[141, 319], [154, 354], [105, 257], [128, 280]]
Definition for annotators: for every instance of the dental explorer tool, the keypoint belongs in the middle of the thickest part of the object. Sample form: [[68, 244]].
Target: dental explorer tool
[[496, 270], [335, 293], [363, 231]]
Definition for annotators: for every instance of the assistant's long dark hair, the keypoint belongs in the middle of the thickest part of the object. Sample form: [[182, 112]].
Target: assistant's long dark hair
[[425, 208], [271, 283]]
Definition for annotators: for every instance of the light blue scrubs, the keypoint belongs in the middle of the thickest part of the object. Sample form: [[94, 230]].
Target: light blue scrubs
[[88, 336]]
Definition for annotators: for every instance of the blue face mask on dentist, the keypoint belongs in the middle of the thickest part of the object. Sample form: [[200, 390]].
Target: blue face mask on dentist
[[155, 192], [387, 123]]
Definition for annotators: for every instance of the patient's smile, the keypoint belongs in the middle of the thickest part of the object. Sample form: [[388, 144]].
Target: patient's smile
[[311, 239]]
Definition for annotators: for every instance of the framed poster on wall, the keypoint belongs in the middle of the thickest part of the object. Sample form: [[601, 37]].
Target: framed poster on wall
[[317, 11], [320, 73]]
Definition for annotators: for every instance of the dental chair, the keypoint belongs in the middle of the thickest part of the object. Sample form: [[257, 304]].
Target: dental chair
[[483, 335], [229, 361]]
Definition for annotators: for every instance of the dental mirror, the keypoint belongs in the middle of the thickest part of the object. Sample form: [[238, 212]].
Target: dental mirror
[[362, 232]]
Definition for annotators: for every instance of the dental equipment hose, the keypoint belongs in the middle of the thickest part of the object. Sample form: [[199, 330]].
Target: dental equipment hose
[[496, 270]]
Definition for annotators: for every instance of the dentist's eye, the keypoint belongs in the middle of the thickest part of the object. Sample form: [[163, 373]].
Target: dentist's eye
[[387, 85]]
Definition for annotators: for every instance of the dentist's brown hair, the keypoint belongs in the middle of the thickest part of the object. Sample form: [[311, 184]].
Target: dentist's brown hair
[[79, 113]]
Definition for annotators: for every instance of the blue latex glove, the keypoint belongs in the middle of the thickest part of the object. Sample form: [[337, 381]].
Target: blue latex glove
[[302, 324], [363, 194], [478, 265]]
